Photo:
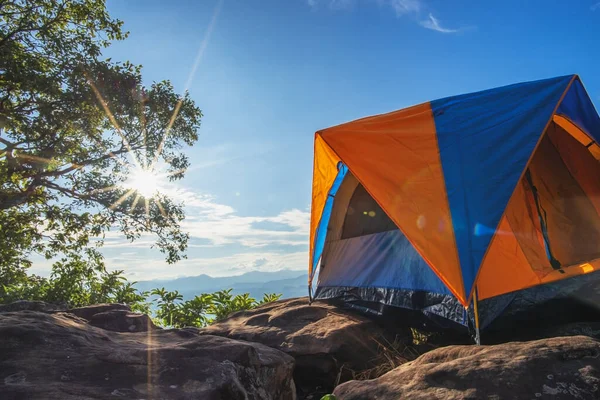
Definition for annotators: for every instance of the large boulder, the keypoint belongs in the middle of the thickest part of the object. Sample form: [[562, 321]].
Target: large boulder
[[328, 343], [556, 368], [22, 305], [88, 312], [61, 356], [122, 321]]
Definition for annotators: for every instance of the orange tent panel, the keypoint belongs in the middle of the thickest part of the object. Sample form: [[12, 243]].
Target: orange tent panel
[[396, 158], [505, 268], [581, 163]]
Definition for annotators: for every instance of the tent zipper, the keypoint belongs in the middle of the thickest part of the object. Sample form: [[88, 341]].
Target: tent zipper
[[542, 217]]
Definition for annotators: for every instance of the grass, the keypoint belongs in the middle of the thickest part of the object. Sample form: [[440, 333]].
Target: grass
[[390, 356]]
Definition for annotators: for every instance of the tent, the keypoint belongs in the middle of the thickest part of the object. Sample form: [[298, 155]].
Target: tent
[[491, 196]]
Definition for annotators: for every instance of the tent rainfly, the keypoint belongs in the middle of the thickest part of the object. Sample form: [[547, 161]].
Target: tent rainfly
[[482, 195]]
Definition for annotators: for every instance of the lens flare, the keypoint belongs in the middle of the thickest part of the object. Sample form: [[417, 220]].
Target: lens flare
[[144, 182]]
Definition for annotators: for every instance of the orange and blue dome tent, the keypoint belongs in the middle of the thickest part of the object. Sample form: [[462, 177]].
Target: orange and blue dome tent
[[479, 195]]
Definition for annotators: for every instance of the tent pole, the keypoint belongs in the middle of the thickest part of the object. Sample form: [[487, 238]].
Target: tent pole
[[476, 311]]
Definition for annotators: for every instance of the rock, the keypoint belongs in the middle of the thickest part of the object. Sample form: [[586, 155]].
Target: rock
[[60, 356], [122, 321], [557, 368], [23, 305], [327, 342], [89, 311]]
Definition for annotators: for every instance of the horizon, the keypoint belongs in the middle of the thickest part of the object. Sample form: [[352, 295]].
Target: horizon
[[301, 271], [267, 76]]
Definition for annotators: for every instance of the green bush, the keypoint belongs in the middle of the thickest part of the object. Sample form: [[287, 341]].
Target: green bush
[[82, 279], [329, 397], [204, 309], [74, 283]]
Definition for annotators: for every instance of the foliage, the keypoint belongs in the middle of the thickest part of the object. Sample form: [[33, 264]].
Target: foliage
[[73, 125], [203, 309], [73, 283], [224, 303]]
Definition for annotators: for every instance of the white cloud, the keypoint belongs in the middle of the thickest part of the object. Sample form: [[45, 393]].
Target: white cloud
[[410, 8], [219, 224], [434, 24], [137, 268], [233, 228], [200, 204], [595, 6], [402, 7]]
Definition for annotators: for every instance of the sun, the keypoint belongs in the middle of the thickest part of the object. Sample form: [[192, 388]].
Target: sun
[[144, 185], [145, 182]]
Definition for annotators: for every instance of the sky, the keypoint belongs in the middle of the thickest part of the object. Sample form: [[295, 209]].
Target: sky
[[267, 74]]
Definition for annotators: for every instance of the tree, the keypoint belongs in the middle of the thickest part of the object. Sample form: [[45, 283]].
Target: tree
[[73, 127]]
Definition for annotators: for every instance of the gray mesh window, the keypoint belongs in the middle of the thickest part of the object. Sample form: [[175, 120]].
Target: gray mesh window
[[364, 216]]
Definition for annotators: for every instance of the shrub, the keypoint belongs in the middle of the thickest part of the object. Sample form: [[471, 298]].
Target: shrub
[[74, 283], [204, 309]]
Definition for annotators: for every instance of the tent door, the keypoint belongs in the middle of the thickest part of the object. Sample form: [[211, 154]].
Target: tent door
[[543, 222]]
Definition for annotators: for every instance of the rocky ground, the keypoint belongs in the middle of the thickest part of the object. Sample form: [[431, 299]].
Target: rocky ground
[[557, 368], [328, 343], [283, 350], [113, 354]]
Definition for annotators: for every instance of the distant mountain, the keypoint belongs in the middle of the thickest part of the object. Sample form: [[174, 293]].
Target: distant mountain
[[289, 283]]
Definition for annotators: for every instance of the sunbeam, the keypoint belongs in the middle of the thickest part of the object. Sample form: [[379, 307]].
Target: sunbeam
[[135, 201], [122, 199], [160, 207], [188, 83], [103, 190], [143, 122], [40, 160], [113, 121]]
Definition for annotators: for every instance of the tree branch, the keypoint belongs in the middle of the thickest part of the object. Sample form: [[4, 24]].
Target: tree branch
[[17, 198], [9, 145], [22, 29]]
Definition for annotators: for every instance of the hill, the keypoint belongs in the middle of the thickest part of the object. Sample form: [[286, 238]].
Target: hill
[[290, 283]]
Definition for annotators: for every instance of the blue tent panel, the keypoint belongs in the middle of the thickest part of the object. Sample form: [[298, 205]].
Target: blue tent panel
[[485, 141], [380, 260], [324, 222], [578, 107]]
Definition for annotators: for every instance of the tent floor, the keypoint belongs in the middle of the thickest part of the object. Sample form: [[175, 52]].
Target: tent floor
[[524, 315]]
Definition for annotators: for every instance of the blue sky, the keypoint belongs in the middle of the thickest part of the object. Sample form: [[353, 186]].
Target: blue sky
[[272, 72]]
